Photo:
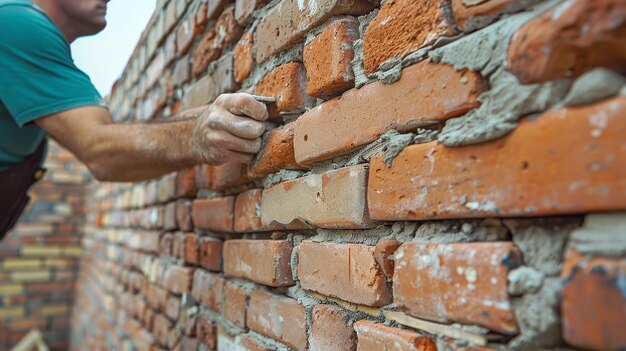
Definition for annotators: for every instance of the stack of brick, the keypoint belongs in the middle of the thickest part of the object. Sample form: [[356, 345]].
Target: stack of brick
[[39, 259], [437, 175]]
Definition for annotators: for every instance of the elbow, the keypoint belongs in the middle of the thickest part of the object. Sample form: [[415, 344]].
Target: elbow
[[100, 171]]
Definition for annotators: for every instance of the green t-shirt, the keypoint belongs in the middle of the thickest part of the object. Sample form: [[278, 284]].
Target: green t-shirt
[[37, 78]]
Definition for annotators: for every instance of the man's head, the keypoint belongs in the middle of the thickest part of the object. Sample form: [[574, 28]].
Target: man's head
[[87, 16]]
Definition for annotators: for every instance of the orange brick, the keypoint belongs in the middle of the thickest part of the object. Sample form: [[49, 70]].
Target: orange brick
[[185, 183], [289, 21], [243, 56], [335, 199], [331, 329], [425, 273], [425, 94], [186, 33], [191, 248], [183, 215], [383, 254], [208, 50], [211, 253], [215, 8], [235, 304], [214, 214], [286, 83], [177, 279], [476, 15], [227, 175], [279, 318], [161, 329], [345, 271], [263, 261], [374, 336], [570, 39], [208, 289], [593, 304], [327, 59], [556, 164], [403, 26], [206, 332], [245, 8], [277, 153]]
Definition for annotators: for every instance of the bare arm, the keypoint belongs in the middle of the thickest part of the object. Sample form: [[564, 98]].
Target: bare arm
[[229, 129]]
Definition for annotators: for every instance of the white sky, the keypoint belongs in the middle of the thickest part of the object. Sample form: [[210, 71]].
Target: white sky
[[104, 56]]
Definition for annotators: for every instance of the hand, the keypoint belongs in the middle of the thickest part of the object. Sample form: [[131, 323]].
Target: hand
[[229, 130]]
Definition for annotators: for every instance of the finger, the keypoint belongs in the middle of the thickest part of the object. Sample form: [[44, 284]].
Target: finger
[[238, 126], [245, 105], [228, 141]]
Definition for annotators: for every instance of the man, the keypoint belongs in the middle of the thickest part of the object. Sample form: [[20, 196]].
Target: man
[[43, 93]]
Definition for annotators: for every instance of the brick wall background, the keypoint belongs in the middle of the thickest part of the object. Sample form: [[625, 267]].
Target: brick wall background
[[441, 174], [39, 259]]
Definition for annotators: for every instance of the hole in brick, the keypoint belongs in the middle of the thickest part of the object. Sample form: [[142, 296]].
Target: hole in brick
[[306, 137], [318, 195], [525, 165]]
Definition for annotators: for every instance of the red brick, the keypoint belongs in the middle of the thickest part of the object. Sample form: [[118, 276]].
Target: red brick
[[227, 175], [192, 248], [425, 273], [185, 183], [251, 344], [403, 26], [178, 245], [165, 244], [177, 279], [593, 304], [290, 20], [286, 83], [186, 33], [428, 181], [279, 318], [183, 215], [374, 336], [383, 254], [161, 329], [247, 208], [143, 240], [345, 271], [331, 329], [211, 253], [214, 214], [471, 15], [235, 304], [203, 176], [425, 94], [335, 199], [245, 8], [263, 261], [209, 49], [243, 55], [156, 297], [215, 8], [206, 333], [277, 153], [208, 289], [570, 39], [172, 307], [327, 59]]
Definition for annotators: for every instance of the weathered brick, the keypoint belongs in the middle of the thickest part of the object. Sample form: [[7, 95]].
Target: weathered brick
[[182, 71], [211, 253], [263, 261], [169, 217], [425, 94], [429, 181], [331, 329], [327, 59], [374, 336], [478, 272], [235, 304], [208, 289], [289, 21], [247, 211], [593, 304], [208, 50], [470, 15], [172, 307], [403, 26], [198, 94], [279, 318], [161, 329], [383, 254], [345, 271], [245, 8], [215, 8], [183, 215], [185, 183], [192, 248], [222, 75], [277, 153], [243, 56], [143, 240], [206, 332], [213, 214], [178, 279], [186, 33], [335, 199], [570, 39], [227, 175], [286, 83]]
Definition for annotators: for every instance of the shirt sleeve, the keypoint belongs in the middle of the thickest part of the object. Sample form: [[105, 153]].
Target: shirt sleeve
[[37, 74]]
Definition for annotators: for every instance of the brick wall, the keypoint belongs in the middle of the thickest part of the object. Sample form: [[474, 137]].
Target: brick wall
[[39, 259], [442, 174]]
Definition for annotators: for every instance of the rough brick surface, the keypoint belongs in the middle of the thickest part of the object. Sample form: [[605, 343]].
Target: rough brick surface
[[263, 261], [243, 57], [537, 173], [359, 117], [331, 330], [211, 253], [235, 304], [288, 22], [478, 272], [374, 336], [286, 83], [214, 214], [403, 26], [279, 318], [335, 199], [570, 39], [593, 304], [345, 271], [277, 153], [327, 59]]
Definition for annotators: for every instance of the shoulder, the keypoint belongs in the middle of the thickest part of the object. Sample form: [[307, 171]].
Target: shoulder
[[23, 23]]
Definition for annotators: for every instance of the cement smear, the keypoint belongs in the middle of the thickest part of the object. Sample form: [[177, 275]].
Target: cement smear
[[524, 280], [602, 234], [597, 84], [461, 232]]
